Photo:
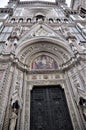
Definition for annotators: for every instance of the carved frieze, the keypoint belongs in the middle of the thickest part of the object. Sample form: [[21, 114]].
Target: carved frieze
[[47, 47], [47, 76]]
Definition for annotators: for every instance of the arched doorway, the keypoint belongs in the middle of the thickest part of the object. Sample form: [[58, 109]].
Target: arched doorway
[[46, 77]]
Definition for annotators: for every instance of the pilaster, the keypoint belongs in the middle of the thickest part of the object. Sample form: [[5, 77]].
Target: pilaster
[[4, 95]]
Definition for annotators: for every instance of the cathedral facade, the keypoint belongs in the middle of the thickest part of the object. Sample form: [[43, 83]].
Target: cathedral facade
[[42, 66]]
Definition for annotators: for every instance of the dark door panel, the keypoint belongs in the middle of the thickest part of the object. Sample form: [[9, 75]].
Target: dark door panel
[[49, 109]]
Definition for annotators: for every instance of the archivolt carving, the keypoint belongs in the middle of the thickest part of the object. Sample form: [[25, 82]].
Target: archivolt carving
[[34, 49]]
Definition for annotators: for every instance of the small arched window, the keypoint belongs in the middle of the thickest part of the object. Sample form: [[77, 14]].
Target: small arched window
[[13, 20], [66, 20], [29, 20], [50, 20], [40, 17], [21, 20], [58, 20]]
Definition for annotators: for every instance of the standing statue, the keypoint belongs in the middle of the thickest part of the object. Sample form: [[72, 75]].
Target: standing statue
[[13, 119], [15, 106]]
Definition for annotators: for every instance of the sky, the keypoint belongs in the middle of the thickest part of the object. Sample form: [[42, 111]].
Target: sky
[[3, 3]]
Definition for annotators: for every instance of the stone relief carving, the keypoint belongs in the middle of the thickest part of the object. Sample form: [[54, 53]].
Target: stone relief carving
[[45, 76], [17, 31], [10, 45], [42, 32], [73, 115], [12, 40], [65, 56], [46, 82], [76, 80], [47, 47], [74, 83]]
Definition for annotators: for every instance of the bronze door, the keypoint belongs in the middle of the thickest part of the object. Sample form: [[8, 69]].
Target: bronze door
[[49, 109]]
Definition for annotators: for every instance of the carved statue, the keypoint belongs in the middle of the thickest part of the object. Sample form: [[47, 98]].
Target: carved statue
[[13, 119], [15, 106]]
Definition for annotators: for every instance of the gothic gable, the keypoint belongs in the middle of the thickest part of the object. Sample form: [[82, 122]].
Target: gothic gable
[[41, 30]]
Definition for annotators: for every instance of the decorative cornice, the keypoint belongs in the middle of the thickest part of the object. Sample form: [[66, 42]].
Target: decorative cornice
[[45, 71], [30, 3]]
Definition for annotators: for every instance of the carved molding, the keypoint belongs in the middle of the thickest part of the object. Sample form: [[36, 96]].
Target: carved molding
[[49, 82]]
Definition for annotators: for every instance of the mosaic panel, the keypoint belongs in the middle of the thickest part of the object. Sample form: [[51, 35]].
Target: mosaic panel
[[44, 62]]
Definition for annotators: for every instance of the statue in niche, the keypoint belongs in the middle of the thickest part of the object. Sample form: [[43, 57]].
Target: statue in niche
[[13, 119], [82, 103], [15, 106]]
